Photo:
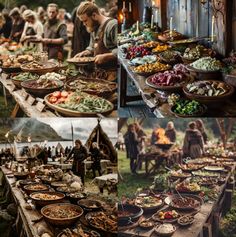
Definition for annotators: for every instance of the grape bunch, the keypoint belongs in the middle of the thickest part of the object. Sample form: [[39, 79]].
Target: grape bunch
[[137, 51]]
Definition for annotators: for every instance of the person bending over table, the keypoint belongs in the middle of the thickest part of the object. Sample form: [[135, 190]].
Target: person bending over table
[[103, 35], [79, 153]]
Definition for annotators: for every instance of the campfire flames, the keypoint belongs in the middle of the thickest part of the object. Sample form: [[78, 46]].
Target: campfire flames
[[161, 137]]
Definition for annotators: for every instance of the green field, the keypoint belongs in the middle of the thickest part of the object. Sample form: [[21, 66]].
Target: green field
[[131, 182]]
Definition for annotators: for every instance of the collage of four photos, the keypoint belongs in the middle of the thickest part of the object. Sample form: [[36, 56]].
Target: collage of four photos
[[117, 118]]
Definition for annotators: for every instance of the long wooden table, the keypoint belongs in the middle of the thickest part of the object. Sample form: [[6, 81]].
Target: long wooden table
[[153, 99], [25, 226], [25, 106], [206, 222]]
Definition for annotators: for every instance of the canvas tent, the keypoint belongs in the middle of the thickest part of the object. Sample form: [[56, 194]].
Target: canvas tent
[[99, 136]]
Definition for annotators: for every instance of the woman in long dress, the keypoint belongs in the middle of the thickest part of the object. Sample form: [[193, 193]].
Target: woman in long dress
[[193, 142]]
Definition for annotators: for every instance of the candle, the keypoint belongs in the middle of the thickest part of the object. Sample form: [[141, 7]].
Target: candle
[[130, 7], [137, 26], [171, 27], [123, 4], [156, 15], [152, 21], [212, 28]]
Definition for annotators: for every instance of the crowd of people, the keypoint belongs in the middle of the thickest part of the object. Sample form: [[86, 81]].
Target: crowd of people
[[136, 140], [78, 153], [89, 30]]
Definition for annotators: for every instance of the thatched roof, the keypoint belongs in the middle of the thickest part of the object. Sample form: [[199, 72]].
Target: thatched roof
[[99, 136]]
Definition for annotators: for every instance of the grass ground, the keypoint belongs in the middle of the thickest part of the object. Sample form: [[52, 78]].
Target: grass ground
[[131, 182], [5, 111], [228, 223]]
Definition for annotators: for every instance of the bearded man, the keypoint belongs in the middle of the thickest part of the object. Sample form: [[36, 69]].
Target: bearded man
[[55, 33], [103, 35]]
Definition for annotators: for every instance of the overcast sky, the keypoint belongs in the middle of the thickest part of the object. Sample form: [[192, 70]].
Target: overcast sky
[[82, 126]]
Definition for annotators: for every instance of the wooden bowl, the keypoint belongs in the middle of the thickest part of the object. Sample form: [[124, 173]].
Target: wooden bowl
[[21, 175], [40, 92], [165, 234], [44, 202], [61, 221], [177, 87], [210, 99], [73, 113], [157, 218], [200, 114], [204, 75], [25, 182], [48, 67], [89, 204], [109, 88], [30, 188], [75, 197]]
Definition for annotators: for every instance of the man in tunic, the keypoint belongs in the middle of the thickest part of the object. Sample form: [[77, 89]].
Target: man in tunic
[[55, 34], [103, 35]]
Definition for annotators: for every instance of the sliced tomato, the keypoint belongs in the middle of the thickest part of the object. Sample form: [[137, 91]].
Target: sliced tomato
[[61, 100], [56, 94], [53, 99], [64, 94]]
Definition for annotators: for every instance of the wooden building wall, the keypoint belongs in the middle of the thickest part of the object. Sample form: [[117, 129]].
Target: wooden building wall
[[234, 26]]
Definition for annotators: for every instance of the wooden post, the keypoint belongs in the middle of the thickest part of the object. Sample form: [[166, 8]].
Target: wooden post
[[222, 11], [163, 7]]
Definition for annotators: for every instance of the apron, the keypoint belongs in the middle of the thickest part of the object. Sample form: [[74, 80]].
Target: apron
[[100, 48], [51, 32]]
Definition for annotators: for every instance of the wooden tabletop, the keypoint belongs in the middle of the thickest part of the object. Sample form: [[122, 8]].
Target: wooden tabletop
[[26, 215], [150, 96]]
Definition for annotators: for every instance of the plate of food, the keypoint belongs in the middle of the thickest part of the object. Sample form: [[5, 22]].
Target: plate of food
[[143, 60], [38, 67], [102, 221], [190, 167], [97, 87], [46, 197], [148, 202], [78, 104], [146, 224], [30, 188], [208, 91], [61, 214], [179, 174], [188, 187], [188, 108], [128, 214], [19, 78], [186, 220], [214, 168], [170, 57], [89, 204], [168, 215], [81, 60], [151, 68], [12, 63], [41, 87], [205, 173], [165, 229], [201, 161], [185, 202], [169, 80], [161, 48]]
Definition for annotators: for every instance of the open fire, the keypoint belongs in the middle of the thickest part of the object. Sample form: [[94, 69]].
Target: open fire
[[161, 137]]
